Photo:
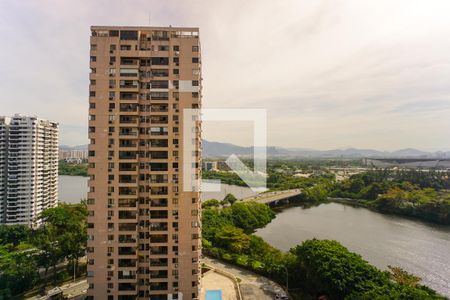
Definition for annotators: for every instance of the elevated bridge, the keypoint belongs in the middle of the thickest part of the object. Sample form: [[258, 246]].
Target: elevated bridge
[[275, 198]]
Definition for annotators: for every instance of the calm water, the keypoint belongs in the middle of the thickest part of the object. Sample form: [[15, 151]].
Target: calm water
[[419, 248], [74, 188], [71, 189]]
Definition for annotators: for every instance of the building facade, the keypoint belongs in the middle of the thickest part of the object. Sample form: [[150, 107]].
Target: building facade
[[28, 168], [143, 224]]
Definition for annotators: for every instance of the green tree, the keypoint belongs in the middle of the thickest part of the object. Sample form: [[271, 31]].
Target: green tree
[[18, 271], [233, 239], [229, 199], [211, 203], [13, 234]]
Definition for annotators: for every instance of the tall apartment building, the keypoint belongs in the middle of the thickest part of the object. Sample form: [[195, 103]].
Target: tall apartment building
[[28, 168], [144, 228]]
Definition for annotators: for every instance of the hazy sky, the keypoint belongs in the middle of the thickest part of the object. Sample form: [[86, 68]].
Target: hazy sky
[[332, 74]]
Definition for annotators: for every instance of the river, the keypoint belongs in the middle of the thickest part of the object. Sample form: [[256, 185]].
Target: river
[[419, 248]]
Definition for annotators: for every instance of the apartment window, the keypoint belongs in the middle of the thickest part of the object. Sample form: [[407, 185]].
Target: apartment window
[[194, 82], [91, 117], [176, 60], [92, 141], [91, 93], [194, 48], [112, 47], [194, 94], [163, 48], [128, 35], [92, 82], [176, 48], [125, 47], [91, 129], [159, 60], [195, 71], [195, 60], [176, 71], [93, 47], [93, 58], [93, 70], [114, 33]]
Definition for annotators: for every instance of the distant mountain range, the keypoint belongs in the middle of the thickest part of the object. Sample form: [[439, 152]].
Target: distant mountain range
[[216, 149]]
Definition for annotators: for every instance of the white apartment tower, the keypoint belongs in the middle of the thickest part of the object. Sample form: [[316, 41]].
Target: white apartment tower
[[28, 168]]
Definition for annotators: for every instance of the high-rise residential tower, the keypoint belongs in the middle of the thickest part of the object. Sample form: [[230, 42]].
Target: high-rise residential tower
[[143, 224], [28, 168]]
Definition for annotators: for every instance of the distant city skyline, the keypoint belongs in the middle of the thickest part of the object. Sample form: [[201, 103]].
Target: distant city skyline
[[331, 74]]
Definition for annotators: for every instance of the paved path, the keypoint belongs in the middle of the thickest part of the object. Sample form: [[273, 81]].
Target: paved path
[[253, 286], [266, 198], [74, 290]]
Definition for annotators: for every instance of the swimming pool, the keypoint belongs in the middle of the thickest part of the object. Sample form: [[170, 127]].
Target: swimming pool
[[213, 295]]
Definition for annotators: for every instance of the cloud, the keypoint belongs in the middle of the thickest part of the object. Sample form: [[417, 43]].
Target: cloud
[[331, 73]]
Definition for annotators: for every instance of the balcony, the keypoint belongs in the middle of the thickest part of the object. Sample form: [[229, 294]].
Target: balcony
[[128, 120], [158, 226], [158, 167], [159, 108], [127, 227], [124, 131], [128, 61], [159, 131], [158, 286], [129, 107], [127, 275], [127, 143], [127, 167], [159, 119], [158, 155], [127, 263], [159, 250], [159, 143], [127, 215], [126, 238], [127, 251], [159, 190], [158, 274], [158, 202], [128, 96], [127, 155], [158, 238], [127, 286], [158, 214], [158, 262]]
